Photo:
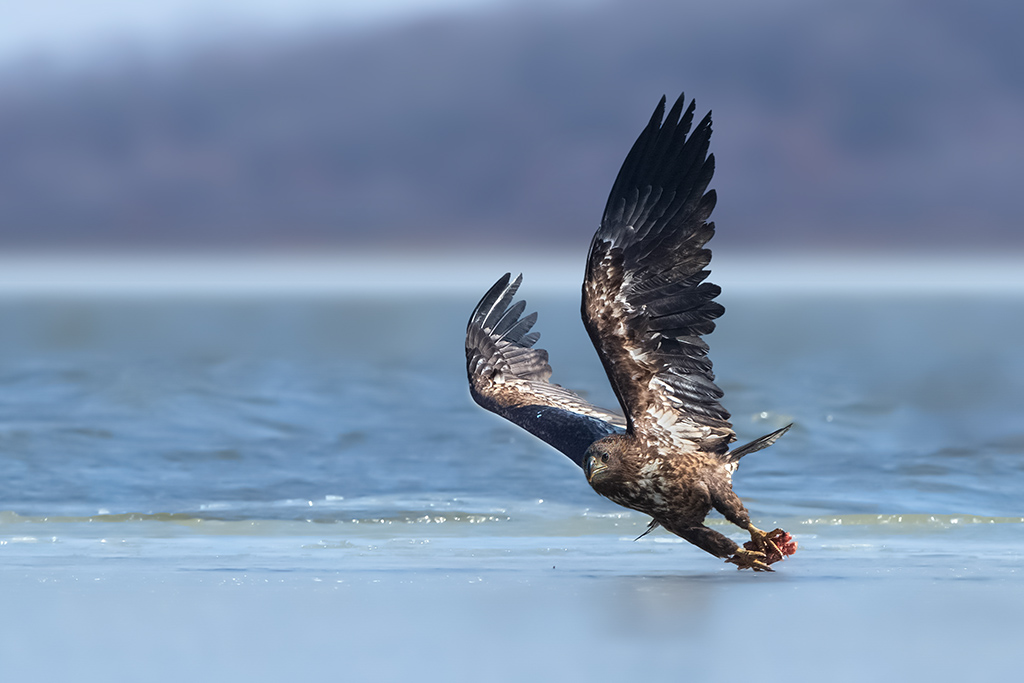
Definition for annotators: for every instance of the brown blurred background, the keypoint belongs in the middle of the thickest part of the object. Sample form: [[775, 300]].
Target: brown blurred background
[[877, 125]]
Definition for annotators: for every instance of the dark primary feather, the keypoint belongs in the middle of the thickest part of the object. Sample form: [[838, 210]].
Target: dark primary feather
[[645, 302], [509, 377]]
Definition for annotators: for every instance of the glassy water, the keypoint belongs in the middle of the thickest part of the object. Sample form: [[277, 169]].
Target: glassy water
[[301, 486]]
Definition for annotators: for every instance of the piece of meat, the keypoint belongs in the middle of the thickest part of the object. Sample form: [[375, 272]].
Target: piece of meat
[[784, 542]]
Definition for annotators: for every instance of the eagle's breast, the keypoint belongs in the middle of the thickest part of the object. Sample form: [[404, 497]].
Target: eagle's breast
[[662, 486]]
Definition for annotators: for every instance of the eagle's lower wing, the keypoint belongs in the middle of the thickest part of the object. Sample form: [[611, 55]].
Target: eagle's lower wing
[[509, 377], [645, 302]]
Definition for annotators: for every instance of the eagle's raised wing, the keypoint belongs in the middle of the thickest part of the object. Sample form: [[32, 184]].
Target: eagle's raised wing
[[645, 302], [509, 377]]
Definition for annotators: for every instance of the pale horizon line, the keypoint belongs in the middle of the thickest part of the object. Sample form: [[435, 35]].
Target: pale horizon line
[[396, 273]]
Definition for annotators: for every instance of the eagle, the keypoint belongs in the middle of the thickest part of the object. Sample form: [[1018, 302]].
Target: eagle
[[646, 305]]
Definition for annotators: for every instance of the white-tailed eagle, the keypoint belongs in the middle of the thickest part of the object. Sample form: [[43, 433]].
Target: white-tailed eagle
[[646, 305]]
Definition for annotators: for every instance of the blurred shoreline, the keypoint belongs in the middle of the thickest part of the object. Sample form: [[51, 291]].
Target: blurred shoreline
[[508, 121], [397, 273]]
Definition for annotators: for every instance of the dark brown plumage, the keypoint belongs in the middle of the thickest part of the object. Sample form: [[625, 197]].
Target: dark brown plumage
[[646, 306]]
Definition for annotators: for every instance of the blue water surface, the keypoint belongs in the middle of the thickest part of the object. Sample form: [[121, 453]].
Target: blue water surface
[[301, 486]]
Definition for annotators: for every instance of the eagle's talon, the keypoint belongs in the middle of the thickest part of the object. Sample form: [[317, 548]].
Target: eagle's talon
[[750, 559], [775, 545]]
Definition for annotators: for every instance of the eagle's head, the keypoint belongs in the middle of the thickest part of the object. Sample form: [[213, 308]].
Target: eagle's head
[[602, 463]]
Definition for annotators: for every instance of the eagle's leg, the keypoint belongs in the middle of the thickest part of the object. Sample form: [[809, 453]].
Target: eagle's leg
[[722, 546], [708, 540], [731, 507]]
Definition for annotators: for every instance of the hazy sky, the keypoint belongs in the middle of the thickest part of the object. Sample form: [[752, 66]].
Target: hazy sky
[[874, 125], [70, 29]]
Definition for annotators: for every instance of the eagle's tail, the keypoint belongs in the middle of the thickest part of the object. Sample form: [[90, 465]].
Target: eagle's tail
[[757, 444]]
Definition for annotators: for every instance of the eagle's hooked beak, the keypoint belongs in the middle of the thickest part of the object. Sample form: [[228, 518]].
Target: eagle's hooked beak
[[593, 467]]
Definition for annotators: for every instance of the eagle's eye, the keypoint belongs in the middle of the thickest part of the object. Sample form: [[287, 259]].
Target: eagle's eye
[[604, 458]]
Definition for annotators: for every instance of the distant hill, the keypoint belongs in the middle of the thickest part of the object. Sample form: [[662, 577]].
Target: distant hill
[[878, 124]]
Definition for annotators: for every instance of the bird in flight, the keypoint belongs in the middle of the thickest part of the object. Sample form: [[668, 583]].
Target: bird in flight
[[646, 306]]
